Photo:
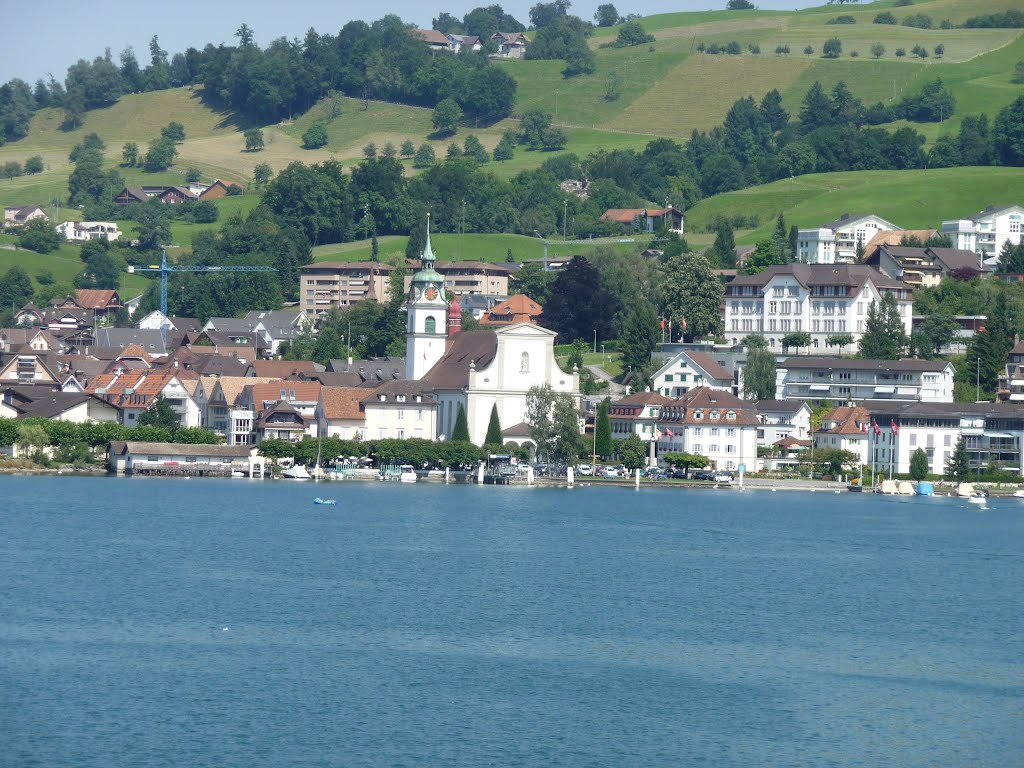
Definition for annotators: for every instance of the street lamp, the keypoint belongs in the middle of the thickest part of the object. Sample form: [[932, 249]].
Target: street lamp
[[595, 343], [603, 358], [977, 382]]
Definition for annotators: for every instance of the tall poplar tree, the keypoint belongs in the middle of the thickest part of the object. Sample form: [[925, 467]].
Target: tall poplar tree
[[603, 436], [493, 437]]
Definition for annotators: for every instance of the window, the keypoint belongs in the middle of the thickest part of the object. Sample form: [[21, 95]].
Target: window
[[714, 431], [698, 431], [697, 448], [713, 448], [730, 448], [524, 363], [715, 415], [730, 416], [731, 432], [430, 325], [401, 434], [419, 414], [401, 414]]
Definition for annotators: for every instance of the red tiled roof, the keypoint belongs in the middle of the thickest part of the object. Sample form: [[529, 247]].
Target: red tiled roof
[[343, 403], [452, 370], [710, 366], [305, 392], [94, 298], [515, 309], [280, 369]]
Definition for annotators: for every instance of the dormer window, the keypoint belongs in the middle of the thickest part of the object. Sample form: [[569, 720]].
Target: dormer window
[[698, 414], [400, 398], [715, 415], [730, 416]]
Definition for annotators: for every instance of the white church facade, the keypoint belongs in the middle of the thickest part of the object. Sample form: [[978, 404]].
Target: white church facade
[[476, 370]]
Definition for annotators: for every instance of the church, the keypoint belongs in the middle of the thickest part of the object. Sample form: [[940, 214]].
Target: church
[[476, 369]]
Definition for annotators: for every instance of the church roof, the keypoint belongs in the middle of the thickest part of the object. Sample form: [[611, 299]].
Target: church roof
[[452, 370]]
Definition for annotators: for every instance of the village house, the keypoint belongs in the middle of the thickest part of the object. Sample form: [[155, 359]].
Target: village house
[[896, 237], [515, 309], [993, 434], [30, 367], [458, 43], [837, 241], [465, 278], [170, 194], [133, 392], [819, 299], [845, 428], [19, 215], [784, 430], [690, 368], [331, 285], [637, 413], [339, 413], [1011, 383], [925, 267], [986, 232], [646, 219], [27, 339], [81, 231], [400, 410], [134, 457], [710, 423], [43, 402], [436, 42], [511, 45], [850, 379]]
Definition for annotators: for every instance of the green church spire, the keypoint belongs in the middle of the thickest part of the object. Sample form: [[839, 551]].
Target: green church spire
[[428, 252]]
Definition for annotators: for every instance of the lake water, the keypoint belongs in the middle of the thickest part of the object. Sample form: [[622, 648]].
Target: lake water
[[235, 624]]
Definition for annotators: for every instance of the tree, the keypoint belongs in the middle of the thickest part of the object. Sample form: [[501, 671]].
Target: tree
[[160, 156], [40, 236], [796, 339], [493, 439], [159, 414], [506, 148], [606, 15], [173, 131], [839, 340], [937, 331], [579, 305], [989, 347], [632, 33], [809, 50], [765, 255], [253, 140], [15, 288], [472, 147], [193, 175], [958, 468], [581, 61], [11, 169], [639, 336], [901, 52], [262, 173], [101, 271], [739, 5], [446, 117], [546, 14], [454, 151], [940, 49], [919, 467], [884, 333], [315, 136], [633, 452], [878, 50], [34, 164], [424, 157], [130, 155], [408, 148], [759, 375], [460, 432], [832, 49], [1018, 72], [1008, 134], [553, 422], [32, 436], [603, 425], [724, 248], [692, 296]]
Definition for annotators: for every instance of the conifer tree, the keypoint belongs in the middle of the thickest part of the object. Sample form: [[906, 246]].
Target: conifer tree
[[603, 437], [884, 334], [460, 432], [958, 468], [493, 437]]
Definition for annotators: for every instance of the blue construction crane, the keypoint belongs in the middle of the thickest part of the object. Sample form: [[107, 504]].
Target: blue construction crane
[[165, 269]]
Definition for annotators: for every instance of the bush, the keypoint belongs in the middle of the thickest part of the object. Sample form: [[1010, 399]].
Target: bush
[[918, 21], [902, 3], [193, 175], [844, 19], [901, 52], [885, 17], [34, 164], [315, 136], [809, 50], [39, 236], [832, 48], [1012, 19], [781, 49], [630, 34], [11, 169], [878, 50], [733, 48]]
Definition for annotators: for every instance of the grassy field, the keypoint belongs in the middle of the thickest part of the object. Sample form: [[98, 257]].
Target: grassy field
[[468, 247], [64, 264], [911, 199]]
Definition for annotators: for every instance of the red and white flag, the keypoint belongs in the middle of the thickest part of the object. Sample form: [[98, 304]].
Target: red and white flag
[[864, 427], [669, 432], [878, 429], [683, 323], [895, 427], [657, 434]]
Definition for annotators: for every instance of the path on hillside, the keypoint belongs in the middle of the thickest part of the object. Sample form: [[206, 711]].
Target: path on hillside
[[614, 388]]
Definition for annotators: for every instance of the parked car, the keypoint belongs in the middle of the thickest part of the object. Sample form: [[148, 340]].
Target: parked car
[[722, 477], [678, 474], [703, 475], [608, 472], [585, 469]]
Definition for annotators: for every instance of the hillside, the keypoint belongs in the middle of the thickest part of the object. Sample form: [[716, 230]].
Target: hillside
[[911, 199]]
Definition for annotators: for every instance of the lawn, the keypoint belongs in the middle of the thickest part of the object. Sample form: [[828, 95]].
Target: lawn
[[912, 199], [447, 247], [64, 264]]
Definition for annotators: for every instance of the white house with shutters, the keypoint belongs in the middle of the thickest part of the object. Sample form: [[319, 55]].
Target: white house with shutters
[[986, 232], [837, 241]]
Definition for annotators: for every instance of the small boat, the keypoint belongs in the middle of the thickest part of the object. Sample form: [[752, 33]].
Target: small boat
[[237, 473], [925, 488], [1018, 494], [977, 498], [408, 474], [328, 502], [296, 472]]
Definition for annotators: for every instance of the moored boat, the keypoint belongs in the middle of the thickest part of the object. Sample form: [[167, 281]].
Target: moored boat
[[408, 474]]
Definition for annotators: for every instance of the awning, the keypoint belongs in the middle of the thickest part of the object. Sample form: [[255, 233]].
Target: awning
[[1004, 435], [819, 387], [885, 390]]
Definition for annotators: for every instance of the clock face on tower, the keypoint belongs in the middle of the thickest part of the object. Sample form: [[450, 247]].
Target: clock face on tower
[[431, 293]]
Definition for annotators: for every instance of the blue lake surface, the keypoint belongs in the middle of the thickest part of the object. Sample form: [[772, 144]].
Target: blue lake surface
[[234, 623]]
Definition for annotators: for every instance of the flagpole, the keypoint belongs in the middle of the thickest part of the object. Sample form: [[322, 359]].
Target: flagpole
[[892, 444], [871, 448]]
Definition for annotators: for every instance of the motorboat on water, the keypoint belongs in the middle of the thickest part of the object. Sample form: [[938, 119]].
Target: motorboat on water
[[408, 474], [977, 498], [296, 472], [327, 502]]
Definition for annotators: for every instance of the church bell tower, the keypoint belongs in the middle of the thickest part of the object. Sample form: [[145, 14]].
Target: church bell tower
[[426, 327]]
